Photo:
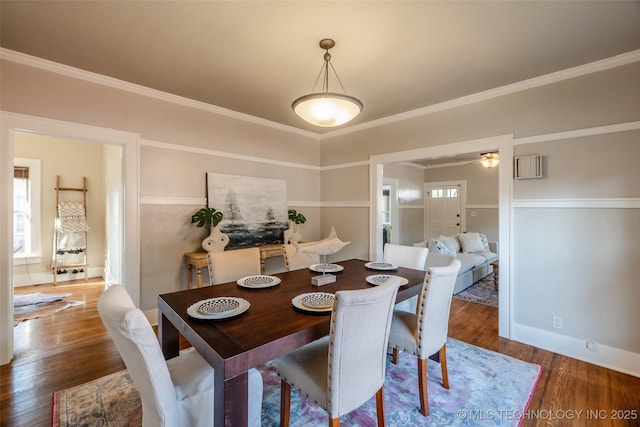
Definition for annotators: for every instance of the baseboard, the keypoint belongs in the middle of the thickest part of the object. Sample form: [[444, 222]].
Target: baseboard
[[47, 277], [598, 354], [152, 316]]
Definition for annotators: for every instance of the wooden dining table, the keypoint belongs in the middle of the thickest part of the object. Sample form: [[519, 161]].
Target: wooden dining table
[[270, 328]]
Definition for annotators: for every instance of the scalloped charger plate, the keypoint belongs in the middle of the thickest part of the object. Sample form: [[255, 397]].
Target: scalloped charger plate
[[243, 305]]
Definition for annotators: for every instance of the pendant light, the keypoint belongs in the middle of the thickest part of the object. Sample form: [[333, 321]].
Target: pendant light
[[327, 109]]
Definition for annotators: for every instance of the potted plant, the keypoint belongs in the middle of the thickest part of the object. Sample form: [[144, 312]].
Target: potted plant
[[294, 233], [296, 217], [210, 218]]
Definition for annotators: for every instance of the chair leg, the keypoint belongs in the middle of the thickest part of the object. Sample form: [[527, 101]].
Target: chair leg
[[334, 422], [394, 356], [380, 406], [443, 366], [285, 403], [422, 386]]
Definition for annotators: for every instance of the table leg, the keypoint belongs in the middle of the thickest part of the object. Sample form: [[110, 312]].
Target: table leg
[[231, 409], [169, 338], [189, 276], [199, 274]]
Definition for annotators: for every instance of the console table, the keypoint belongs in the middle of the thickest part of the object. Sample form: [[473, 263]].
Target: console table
[[199, 261]]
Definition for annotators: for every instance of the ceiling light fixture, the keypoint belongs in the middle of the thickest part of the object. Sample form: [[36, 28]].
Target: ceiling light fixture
[[490, 160], [326, 108]]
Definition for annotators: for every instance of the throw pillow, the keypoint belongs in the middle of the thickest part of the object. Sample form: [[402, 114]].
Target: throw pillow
[[450, 246], [485, 243], [471, 243]]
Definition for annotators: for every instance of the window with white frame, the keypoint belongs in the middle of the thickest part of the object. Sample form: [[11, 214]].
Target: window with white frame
[[26, 210]]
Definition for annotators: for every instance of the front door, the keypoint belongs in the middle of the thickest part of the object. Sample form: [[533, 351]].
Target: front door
[[443, 209]]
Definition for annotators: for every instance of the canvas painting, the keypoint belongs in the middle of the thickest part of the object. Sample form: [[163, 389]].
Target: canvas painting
[[254, 209]]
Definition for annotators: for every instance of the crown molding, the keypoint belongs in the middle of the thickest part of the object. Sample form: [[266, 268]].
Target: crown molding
[[581, 70], [65, 70], [558, 76]]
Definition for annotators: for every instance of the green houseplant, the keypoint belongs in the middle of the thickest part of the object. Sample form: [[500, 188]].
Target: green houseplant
[[207, 217], [294, 233], [210, 218], [296, 217]]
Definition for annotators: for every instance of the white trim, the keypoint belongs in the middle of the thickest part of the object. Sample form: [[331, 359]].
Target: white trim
[[558, 76], [581, 70], [28, 279], [503, 144], [76, 73], [601, 355], [411, 207], [197, 201], [346, 204], [345, 165], [619, 203], [216, 153], [483, 207], [12, 122], [160, 200], [152, 316], [579, 133]]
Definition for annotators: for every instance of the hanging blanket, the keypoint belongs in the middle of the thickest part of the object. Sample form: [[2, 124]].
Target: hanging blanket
[[71, 217]]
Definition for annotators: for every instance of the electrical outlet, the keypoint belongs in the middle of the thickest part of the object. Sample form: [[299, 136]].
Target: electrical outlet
[[557, 322]]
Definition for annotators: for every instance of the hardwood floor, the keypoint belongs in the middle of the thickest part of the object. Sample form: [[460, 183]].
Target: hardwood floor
[[72, 347]]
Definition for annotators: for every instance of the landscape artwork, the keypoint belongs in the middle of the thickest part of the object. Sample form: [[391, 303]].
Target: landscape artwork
[[254, 209]]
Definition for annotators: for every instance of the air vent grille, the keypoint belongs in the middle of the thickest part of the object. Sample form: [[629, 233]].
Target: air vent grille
[[527, 167]]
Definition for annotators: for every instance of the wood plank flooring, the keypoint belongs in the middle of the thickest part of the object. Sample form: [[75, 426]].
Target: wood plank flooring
[[72, 347]]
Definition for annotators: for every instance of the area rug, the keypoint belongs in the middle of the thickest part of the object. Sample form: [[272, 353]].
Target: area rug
[[482, 292], [32, 306], [484, 385]]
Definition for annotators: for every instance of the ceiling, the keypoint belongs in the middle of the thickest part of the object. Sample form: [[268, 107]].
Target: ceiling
[[256, 57]]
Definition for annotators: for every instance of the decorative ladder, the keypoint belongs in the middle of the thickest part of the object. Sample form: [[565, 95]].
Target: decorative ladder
[[70, 233]]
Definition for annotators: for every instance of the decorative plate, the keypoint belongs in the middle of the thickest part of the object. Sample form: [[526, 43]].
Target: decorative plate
[[218, 306], [318, 302], [258, 282], [381, 265], [214, 304], [379, 279], [321, 300], [326, 268]]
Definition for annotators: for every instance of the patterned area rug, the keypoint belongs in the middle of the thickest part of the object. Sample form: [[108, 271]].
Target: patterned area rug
[[482, 292], [484, 385], [32, 306]]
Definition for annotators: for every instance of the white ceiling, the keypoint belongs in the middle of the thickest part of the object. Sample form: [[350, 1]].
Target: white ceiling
[[256, 57]]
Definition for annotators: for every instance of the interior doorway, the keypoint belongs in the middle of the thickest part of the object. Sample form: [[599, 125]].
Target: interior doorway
[[502, 144], [128, 247]]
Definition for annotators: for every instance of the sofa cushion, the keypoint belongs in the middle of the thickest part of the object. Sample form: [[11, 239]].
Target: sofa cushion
[[488, 256], [451, 243], [470, 261], [438, 246], [471, 243], [485, 243]]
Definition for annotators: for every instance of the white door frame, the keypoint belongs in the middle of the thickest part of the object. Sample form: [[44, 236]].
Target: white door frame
[[130, 250], [504, 145], [393, 207]]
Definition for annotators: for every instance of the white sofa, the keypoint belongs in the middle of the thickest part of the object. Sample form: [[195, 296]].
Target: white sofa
[[473, 250]]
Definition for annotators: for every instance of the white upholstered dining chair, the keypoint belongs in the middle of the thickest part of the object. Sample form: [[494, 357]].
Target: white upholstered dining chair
[[295, 259], [407, 257], [342, 371], [229, 266], [175, 392], [425, 333]]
